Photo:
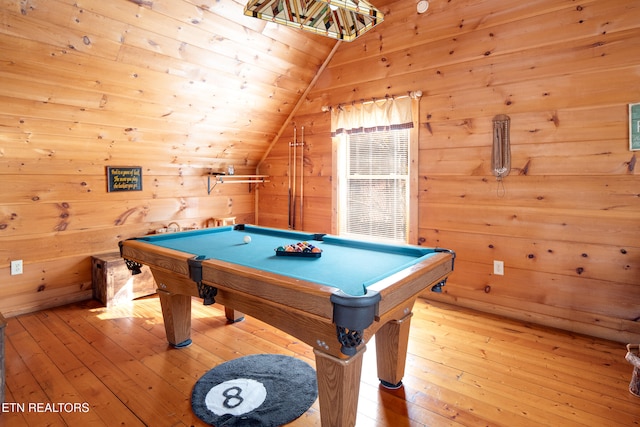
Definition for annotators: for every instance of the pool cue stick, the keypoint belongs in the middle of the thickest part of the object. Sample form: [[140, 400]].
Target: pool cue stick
[[293, 204], [289, 189], [301, 177]]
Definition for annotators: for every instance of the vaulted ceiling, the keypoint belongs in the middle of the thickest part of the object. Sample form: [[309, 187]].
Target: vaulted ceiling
[[254, 73], [197, 76]]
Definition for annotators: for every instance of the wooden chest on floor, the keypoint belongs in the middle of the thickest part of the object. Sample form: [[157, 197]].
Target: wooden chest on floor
[[3, 323], [113, 283]]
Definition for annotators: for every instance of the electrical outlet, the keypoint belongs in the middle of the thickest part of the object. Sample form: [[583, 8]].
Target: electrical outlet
[[498, 268], [16, 267]]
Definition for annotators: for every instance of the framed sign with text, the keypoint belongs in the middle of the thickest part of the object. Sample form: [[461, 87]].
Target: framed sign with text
[[634, 127], [124, 178]]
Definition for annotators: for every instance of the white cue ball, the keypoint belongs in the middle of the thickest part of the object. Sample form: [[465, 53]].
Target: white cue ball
[[247, 239]]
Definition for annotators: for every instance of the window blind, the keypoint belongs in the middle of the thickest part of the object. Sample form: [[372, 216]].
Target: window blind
[[376, 178]]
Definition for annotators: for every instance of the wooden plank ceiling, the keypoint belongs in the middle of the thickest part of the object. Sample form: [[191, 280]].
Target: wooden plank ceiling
[[197, 78]]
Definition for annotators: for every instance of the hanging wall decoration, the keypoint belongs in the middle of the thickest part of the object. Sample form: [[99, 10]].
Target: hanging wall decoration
[[501, 151], [124, 178], [339, 19]]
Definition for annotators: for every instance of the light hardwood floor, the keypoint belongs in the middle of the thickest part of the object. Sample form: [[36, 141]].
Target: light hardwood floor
[[463, 369]]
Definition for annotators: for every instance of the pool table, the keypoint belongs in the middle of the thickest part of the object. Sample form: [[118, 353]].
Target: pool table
[[334, 300]]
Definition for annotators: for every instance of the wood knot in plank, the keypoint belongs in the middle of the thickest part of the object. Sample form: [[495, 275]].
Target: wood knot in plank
[[147, 3], [631, 165]]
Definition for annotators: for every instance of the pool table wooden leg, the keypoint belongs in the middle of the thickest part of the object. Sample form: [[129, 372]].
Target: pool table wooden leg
[[176, 312], [392, 340], [232, 315], [338, 388]]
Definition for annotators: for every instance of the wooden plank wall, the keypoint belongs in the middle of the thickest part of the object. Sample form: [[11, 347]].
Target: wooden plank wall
[[568, 224], [176, 87]]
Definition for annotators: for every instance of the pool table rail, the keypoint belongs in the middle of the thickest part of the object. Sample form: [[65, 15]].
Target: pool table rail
[[299, 294], [315, 297], [142, 252], [414, 279]]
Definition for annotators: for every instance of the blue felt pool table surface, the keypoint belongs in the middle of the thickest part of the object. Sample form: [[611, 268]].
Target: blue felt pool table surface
[[347, 264]]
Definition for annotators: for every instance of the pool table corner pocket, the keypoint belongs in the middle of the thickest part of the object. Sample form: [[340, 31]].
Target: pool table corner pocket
[[352, 315]]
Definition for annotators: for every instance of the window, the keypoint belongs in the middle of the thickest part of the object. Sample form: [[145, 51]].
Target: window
[[374, 185], [376, 142]]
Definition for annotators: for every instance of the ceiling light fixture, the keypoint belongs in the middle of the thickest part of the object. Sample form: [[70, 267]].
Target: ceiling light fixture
[[339, 19], [422, 6]]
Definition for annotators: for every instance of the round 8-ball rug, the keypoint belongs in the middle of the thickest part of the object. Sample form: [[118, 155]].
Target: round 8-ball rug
[[260, 390]]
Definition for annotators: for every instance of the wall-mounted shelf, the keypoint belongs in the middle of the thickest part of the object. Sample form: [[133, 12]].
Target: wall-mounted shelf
[[234, 179]]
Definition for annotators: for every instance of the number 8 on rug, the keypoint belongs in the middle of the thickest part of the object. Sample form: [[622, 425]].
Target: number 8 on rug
[[236, 397]]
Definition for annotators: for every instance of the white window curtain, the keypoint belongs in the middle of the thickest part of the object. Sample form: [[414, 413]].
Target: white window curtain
[[374, 116]]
